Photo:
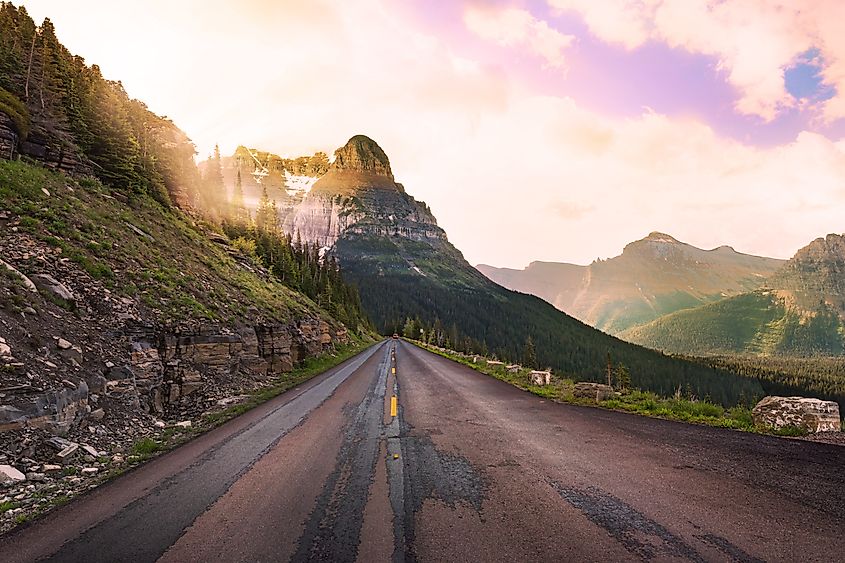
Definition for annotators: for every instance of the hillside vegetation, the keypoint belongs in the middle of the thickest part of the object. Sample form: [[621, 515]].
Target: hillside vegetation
[[142, 250], [752, 323], [461, 309], [654, 276]]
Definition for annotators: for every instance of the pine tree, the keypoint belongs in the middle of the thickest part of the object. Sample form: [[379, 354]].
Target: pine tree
[[529, 353], [623, 376], [408, 329], [264, 216], [239, 212]]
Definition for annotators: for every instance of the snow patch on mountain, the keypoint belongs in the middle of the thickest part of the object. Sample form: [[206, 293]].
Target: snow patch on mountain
[[296, 184]]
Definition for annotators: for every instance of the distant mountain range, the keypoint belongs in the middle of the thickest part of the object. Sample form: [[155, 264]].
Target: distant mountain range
[[800, 311], [391, 246], [655, 276]]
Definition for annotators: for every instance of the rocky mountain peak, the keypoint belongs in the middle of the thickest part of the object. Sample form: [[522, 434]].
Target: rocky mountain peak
[[362, 154], [656, 236], [655, 244], [829, 248]]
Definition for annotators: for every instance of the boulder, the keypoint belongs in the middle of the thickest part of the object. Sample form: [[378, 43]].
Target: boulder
[[540, 377], [5, 349], [51, 286], [594, 391], [9, 475], [23, 279], [813, 415], [11, 417]]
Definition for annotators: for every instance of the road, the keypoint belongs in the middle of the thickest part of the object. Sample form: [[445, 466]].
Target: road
[[470, 469]]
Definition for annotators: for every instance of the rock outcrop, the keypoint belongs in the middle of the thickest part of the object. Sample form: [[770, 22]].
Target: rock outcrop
[[811, 415], [359, 197], [592, 391], [8, 137], [362, 154]]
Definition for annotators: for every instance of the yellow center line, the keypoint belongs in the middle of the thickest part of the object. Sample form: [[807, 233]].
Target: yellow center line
[[393, 406]]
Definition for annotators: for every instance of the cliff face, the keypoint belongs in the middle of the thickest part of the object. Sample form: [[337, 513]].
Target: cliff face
[[358, 196], [815, 275], [158, 319]]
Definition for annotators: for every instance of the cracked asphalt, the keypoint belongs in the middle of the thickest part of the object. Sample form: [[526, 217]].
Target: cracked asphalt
[[471, 469]]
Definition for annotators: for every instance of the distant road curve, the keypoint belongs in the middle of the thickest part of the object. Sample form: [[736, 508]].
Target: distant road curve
[[470, 469]]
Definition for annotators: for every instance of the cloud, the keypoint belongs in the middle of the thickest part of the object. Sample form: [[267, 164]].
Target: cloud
[[754, 41], [512, 27], [571, 210], [491, 156]]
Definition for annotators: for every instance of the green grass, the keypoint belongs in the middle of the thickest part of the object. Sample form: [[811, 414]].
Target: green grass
[[632, 401], [146, 447], [8, 505]]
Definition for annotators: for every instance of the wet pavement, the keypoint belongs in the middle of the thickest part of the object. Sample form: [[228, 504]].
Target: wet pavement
[[468, 469]]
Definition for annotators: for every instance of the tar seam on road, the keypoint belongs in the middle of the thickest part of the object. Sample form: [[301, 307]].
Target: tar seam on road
[[396, 477], [144, 529], [333, 530]]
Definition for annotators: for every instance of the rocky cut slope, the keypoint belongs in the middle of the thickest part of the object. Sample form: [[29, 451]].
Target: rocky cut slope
[[800, 312], [652, 277], [118, 315]]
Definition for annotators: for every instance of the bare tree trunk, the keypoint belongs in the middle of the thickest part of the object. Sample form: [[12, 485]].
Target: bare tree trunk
[[29, 68]]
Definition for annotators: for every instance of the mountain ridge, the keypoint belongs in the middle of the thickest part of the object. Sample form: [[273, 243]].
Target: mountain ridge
[[653, 276], [799, 311]]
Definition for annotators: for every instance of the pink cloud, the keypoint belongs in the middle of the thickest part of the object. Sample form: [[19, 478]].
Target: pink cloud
[[515, 27], [754, 41]]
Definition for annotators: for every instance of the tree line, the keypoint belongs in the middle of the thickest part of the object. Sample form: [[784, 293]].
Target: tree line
[[66, 111]]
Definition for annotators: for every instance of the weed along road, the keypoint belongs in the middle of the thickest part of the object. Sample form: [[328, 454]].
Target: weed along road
[[399, 454]]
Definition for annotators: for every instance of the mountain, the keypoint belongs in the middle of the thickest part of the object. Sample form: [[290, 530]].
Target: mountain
[[651, 278], [391, 246], [800, 311], [121, 301]]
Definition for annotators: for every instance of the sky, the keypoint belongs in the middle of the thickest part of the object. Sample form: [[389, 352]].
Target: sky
[[554, 130]]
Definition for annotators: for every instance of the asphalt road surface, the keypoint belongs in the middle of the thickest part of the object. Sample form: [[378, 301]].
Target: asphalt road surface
[[469, 469]]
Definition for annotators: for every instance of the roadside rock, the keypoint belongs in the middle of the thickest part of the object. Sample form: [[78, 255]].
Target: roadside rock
[[540, 377], [9, 475], [594, 391], [813, 415]]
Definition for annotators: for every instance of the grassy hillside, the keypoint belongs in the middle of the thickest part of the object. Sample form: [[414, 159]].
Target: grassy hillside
[[141, 249], [754, 323]]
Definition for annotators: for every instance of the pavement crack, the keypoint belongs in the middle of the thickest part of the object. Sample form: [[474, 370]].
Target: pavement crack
[[636, 532], [333, 530]]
